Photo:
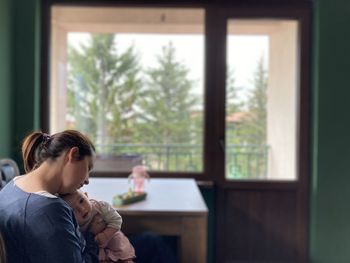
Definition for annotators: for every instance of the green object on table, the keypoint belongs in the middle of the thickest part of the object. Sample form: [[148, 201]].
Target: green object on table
[[128, 198]]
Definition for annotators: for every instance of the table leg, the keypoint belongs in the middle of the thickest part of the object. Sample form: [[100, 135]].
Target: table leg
[[193, 240]]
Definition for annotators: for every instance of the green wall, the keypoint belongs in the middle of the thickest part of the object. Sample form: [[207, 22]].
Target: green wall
[[19, 74], [5, 78], [330, 168], [330, 189], [26, 55]]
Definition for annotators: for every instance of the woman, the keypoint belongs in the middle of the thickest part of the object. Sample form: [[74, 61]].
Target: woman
[[36, 225]]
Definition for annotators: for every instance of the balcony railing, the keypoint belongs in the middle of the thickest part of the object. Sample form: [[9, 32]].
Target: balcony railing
[[242, 161], [246, 161]]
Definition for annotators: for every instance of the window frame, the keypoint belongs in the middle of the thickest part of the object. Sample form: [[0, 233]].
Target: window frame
[[216, 16]]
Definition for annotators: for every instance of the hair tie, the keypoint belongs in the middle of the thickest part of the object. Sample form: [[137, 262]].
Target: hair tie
[[46, 138]]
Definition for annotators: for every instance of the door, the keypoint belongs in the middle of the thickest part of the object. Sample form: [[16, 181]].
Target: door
[[260, 67]]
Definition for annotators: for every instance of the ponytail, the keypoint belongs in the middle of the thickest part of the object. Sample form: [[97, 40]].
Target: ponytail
[[30, 150]]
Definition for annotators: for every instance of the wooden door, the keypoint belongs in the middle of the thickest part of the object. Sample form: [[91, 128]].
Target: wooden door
[[261, 219]]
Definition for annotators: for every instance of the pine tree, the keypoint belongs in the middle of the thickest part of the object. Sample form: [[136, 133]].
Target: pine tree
[[233, 106], [254, 126], [102, 88], [167, 102], [257, 106]]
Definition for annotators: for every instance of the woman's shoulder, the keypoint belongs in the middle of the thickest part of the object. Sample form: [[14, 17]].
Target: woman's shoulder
[[50, 212], [40, 205], [34, 210]]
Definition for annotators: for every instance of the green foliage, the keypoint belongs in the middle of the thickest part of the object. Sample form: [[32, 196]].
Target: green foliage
[[233, 106], [166, 102], [246, 152], [112, 100], [257, 102], [102, 88]]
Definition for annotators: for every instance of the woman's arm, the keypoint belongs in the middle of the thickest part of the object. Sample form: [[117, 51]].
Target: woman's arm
[[55, 237]]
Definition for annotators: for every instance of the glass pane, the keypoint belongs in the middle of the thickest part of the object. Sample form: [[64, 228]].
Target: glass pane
[[132, 79], [261, 100]]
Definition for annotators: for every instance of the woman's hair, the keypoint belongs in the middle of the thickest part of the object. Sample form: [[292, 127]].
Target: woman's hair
[[38, 147], [2, 250]]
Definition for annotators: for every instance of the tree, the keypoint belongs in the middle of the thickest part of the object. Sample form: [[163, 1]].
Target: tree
[[232, 103], [233, 106], [247, 158], [102, 88], [257, 102], [166, 102], [254, 127]]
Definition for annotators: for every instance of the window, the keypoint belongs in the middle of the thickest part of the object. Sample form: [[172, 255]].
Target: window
[[131, 79], [261, 99], [204, 91]]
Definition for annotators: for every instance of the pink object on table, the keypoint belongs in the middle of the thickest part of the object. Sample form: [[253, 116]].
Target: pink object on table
[[138, 176]]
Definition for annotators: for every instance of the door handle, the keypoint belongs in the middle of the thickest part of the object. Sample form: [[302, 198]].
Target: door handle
[[222, 145]]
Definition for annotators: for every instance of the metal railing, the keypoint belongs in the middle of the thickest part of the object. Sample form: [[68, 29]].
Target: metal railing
[[242, 161], [246, 161]]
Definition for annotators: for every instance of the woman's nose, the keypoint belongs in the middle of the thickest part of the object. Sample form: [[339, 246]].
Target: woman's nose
[[86, 181]]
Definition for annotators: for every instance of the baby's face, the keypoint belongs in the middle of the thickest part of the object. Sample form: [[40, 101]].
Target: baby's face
[[81, 206]]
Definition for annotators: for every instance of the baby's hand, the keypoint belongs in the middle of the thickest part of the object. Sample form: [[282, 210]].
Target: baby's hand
[[101, 238]]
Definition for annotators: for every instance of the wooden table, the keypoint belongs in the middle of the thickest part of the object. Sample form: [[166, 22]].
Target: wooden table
[[172, 207]]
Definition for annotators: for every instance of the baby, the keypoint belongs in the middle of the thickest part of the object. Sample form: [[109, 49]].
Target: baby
[[104, 222]]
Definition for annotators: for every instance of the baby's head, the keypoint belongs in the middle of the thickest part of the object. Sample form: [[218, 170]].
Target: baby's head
[[81, 205]]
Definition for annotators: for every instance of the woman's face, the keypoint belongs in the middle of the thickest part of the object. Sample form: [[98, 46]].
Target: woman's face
[[76, 173]]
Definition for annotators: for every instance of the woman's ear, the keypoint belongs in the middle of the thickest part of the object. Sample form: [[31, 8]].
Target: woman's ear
[[73, 154]]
